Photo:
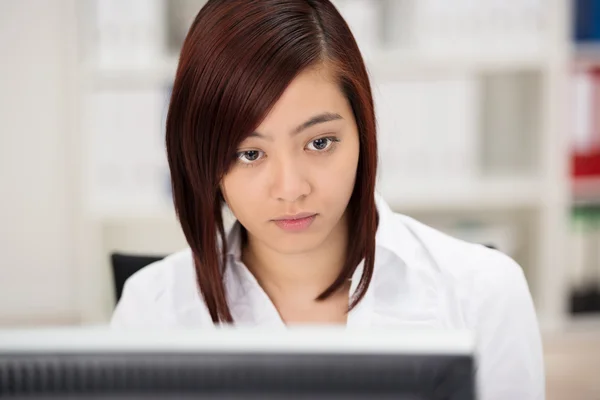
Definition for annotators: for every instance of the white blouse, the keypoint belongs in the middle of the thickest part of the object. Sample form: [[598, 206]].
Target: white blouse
[[422, 279]]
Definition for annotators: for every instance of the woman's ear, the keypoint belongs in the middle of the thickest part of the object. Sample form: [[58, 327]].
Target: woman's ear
[[221, 195], [228, 215]]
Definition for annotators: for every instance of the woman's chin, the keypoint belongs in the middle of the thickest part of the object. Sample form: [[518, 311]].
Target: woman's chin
[[296, 243]]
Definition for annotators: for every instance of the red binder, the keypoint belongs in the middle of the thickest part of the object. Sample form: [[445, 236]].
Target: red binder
[[586, 162]]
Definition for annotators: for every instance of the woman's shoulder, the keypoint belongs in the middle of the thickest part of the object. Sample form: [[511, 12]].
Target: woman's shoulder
[[475, 274], [428, 249], [158, 295], [448, 255], [486, 291]]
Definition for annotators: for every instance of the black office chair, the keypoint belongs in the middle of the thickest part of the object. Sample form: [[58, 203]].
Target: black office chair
[[125, 265]]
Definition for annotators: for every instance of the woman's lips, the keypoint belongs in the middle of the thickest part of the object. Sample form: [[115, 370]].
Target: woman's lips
[[295, 224]]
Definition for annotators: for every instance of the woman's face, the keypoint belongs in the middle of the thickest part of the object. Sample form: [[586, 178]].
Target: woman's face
[[293, 178]]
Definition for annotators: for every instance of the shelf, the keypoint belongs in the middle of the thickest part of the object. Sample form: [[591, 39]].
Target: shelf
[[162, 214], [489, 194], [384, 64], [159, 73], [400, 63], [159, 215]]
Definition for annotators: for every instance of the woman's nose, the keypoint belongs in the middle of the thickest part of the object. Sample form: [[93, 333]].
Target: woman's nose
[[289, 180]]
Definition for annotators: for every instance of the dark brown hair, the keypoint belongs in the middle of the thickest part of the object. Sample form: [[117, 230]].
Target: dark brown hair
[[237, 59]]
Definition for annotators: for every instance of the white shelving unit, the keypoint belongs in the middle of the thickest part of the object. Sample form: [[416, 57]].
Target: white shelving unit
[[541, 193], [486, 194]]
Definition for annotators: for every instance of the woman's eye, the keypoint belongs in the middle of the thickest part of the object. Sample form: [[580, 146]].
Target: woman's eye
[[249, 156], [320, 144]]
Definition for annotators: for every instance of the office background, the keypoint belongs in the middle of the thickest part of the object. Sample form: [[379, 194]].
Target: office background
[[489, 124]]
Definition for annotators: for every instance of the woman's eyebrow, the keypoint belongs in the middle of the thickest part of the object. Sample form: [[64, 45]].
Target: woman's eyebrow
[[317, 119]]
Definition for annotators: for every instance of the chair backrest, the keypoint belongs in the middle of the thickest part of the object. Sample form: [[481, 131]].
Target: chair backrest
[[125, 265]]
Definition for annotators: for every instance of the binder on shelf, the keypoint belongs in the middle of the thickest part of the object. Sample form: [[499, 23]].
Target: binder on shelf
[[585, 260], [586, 119], [586, 20]]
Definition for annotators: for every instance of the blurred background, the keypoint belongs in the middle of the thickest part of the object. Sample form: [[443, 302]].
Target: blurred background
[[489, 129]]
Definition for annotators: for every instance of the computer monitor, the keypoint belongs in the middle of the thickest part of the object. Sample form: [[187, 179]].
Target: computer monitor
[[240, 363]]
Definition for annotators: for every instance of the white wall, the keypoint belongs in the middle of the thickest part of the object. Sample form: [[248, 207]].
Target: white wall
[[37, 273]]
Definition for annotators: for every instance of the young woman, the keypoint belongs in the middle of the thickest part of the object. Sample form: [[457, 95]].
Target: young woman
[[272, 116]]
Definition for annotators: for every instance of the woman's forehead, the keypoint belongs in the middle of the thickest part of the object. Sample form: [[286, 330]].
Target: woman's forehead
[[313, 92]]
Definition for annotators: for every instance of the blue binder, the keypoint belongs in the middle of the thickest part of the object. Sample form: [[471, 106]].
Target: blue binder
[[586, 24]]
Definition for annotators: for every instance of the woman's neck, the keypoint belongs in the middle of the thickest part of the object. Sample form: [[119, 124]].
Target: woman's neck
[[301, 276]]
